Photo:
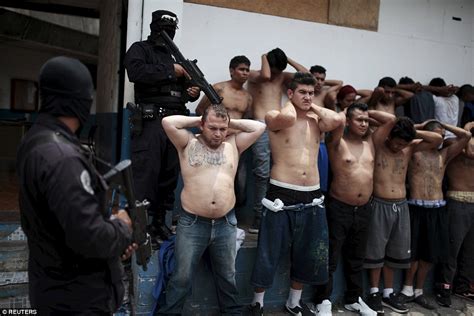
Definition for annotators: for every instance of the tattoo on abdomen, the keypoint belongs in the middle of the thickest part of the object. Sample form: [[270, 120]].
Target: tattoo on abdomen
[[201, 155]]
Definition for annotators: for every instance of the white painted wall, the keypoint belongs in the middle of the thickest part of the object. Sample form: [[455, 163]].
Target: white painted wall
[[417, 38]]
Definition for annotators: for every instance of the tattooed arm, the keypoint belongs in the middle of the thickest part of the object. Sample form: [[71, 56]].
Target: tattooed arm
[[250, 132], [176, 126]]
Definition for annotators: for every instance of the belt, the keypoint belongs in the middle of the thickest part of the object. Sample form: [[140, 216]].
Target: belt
[[278, 205], [162, 111], [461, 196], [427, 203]]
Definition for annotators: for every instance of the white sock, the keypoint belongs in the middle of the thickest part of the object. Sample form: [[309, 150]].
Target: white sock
[[294, 298], [407, 290], [418, 292], [387, 292], [258, 298], [374, 290]]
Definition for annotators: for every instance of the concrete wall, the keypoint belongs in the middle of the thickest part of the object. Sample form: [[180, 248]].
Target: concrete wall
[[18, 62], [418, 38]]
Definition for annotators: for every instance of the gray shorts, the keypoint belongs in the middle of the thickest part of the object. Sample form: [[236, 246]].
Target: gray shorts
[[389, 235]]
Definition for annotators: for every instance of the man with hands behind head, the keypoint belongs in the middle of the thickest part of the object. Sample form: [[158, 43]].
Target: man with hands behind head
[[207, 221], [294, 217], [266, 87]]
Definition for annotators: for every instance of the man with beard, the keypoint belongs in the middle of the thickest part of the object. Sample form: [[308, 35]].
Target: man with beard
[[74, 245], [238, 103], [352, 155], [160, 90], [207, 220]]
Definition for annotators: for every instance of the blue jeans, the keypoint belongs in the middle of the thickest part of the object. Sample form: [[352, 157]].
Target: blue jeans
[[194, 235], [261, 170]]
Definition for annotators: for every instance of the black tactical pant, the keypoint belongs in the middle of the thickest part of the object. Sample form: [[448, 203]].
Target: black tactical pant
[[155, 166]]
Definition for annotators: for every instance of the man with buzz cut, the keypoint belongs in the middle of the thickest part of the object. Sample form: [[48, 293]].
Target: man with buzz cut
[[238, 102], [207, 220]]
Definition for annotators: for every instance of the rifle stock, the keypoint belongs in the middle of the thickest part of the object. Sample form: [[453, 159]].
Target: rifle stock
[[120, 178], [191, 67]]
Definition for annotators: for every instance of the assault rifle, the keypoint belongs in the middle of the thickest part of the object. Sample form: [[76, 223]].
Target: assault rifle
[[120, 179], [197, 77]]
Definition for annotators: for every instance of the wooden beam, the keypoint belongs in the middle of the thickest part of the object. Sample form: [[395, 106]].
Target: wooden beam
[[15, 26]]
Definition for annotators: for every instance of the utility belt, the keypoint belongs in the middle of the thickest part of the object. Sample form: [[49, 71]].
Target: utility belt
[[149, 112]]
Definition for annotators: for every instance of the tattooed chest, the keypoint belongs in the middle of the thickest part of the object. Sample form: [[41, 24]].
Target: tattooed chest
[[201, 155]]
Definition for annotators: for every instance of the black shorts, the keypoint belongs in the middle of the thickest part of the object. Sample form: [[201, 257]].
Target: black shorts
[[429, 233], [302, 232]]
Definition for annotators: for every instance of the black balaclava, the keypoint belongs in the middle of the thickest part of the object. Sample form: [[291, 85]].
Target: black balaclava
[[163, 20], [66, 88]]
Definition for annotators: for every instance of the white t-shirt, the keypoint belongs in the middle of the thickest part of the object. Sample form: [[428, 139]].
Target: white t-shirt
[[447, 111]]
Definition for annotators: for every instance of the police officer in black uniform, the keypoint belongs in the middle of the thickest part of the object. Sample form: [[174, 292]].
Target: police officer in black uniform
[[160, 90], [74, 263]]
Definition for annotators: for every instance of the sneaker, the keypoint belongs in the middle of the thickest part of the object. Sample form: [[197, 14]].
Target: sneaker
[[423, 302], [406, 298], [395, 303], [324, 309], [256, 310], [360, 307], [302, 310], [443, 297], [253, 229], [465, 295], [374, 301]]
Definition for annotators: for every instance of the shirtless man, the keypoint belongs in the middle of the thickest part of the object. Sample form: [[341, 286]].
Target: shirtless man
[[428, 216], [388, 243], [352, 155], [348, 95], [294, 217], [386, 97], [235, 97], [208, 165], [238, 102], [266, 86], [460, 205], [325, 91]]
